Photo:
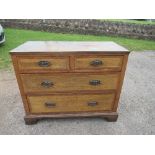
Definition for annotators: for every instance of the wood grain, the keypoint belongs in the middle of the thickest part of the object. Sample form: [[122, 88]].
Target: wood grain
[[71, 103], [69, 46], [70, 73], [108, 62], [31, 63], [68, 82]]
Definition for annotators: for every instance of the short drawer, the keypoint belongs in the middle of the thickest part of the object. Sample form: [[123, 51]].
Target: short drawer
[[98, 63], [43, 63], [71, 103], [69, 82]]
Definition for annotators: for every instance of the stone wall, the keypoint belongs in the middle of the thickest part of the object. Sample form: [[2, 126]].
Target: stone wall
[[84, 26]]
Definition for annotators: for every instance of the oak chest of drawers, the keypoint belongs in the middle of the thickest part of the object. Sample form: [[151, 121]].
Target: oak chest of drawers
[[69, 79]]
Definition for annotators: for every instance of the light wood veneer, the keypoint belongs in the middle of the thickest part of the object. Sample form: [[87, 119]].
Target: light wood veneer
[[69, 79]]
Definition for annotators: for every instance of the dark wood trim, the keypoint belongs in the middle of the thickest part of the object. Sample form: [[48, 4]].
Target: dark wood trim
[[30, 121], [89, 70], [79, 73], [99, 55], [82, 114], [72, 64], [112, 118], [105, 71], [109, 116], [73, 92]]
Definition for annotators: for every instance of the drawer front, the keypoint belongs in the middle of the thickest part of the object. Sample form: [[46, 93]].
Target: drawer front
[[69, 82], [98, 63], [43, 63], [71, 103]]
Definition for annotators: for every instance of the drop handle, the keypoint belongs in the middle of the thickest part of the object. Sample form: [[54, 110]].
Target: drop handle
[[96, 63], [47, 84], [44, 63], [92, 103], [50, 104], [94, 82]]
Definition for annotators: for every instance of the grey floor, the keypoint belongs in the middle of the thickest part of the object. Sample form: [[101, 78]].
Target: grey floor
[[136, 108]]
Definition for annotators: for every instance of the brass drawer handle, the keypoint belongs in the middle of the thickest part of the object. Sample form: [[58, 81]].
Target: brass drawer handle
[[47, 84], [94, 82], [92, 103], [44, 63], [50, 104], [96, 63]]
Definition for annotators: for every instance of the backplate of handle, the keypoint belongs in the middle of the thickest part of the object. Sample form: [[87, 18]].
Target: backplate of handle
[[94, 82], [44, 63], [47, 84], [50, 104], [96, 63], [92, 103]]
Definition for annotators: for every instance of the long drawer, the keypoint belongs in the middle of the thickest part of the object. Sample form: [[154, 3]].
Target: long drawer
[[69, 82], [71, 103]]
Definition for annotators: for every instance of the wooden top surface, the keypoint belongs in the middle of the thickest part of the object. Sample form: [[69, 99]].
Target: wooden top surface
[[69, 46]]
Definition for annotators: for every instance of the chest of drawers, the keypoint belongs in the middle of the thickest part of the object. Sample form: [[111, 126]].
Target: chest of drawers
[[69, 79]]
